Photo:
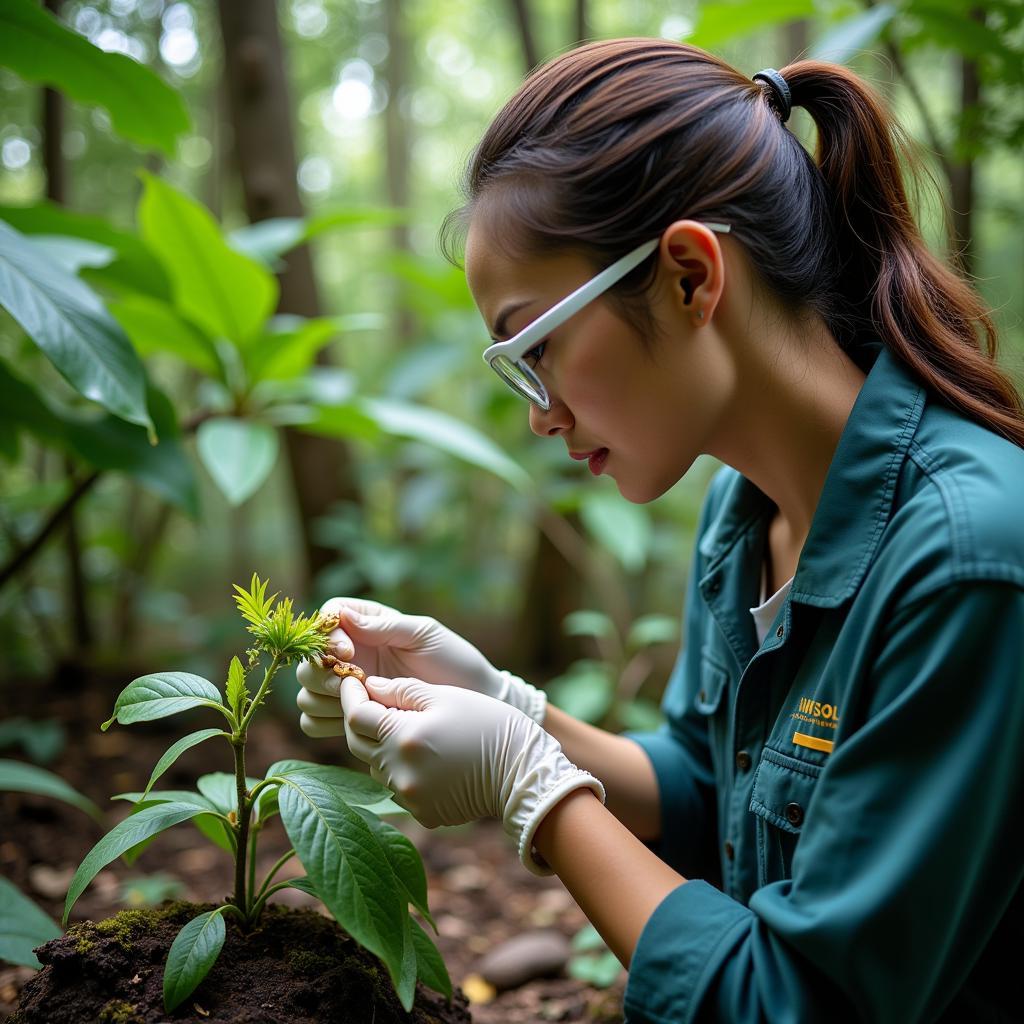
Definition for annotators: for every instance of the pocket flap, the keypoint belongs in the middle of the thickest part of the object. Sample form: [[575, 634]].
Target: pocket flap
[[713, 679], [782, 791]]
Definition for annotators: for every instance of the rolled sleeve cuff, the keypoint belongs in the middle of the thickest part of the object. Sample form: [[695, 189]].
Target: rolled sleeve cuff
[[679, 953], [685, 821]]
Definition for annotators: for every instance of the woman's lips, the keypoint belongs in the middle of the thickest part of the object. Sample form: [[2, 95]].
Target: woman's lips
[[595, 459]]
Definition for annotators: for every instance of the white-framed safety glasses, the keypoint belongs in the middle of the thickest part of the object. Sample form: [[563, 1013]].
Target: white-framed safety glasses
[[506, 357]]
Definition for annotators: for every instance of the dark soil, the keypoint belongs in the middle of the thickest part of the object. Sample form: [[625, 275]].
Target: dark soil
[[295, 968], [479, 893]]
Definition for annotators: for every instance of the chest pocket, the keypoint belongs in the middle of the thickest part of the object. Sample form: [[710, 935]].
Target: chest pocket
[[713, 680], [782, 791]]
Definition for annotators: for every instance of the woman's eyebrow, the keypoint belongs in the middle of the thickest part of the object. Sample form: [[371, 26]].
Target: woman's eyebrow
[[500, 331]]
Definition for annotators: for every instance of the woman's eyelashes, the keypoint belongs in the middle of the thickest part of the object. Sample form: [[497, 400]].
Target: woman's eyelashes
[[533, 357]]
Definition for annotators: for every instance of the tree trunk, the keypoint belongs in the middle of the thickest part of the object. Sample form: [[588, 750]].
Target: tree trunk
[[527, 37], [961, 176], [580, 27], [264, 152]]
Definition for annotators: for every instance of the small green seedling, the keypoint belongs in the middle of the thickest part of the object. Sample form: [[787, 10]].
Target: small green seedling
[[365, 871]]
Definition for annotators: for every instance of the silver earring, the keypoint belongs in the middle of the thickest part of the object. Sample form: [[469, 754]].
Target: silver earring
[[700, 314]]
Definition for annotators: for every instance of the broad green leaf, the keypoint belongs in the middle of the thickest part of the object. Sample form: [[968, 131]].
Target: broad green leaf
[[19, 777], [303, 884], [405, 982], [405, 861], [209, 825], [133, 830], [439, 430], [586, 691], [134, 270], [239, 455], [288, 351], [236, 690], [721, 21], [355, 788], [343, 420], [267, 240], [72, 254], [219, 832], [587, 940], [599, 971], [620, 527], [586, 622], [220, 789], [169, 796], [227, 294], [154, 326], [23, 927], [194, 951], [67, 320], [161, 694], [42, 740], [142, 108], [176, 750], [106, 442], [347, 866], [430, 968], [653, 629], [845, 40], [151, 890]]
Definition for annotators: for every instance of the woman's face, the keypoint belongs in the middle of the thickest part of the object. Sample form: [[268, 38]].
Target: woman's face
[[646, 410]]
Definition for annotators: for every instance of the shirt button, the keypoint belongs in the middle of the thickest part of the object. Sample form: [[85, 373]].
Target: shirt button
[[743, 760], [780, 632], [794, 814], [703, 697], [730, 852], [714, 585]]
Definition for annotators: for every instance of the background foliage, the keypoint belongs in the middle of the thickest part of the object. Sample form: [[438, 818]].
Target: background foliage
[[433, 494]]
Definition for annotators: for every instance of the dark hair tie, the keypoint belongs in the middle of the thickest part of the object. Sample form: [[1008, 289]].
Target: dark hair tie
[[779, 90]]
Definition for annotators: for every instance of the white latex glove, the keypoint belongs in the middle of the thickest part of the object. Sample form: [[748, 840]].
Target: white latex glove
[[452, 755], [384, 642]]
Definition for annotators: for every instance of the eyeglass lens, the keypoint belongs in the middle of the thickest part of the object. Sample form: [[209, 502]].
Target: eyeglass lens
[[521, 379]]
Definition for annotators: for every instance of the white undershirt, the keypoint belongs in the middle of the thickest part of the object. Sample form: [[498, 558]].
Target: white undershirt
[[764, 614]]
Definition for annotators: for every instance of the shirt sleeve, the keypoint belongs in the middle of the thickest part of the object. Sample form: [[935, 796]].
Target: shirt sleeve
[[909, 854], [680, 751]]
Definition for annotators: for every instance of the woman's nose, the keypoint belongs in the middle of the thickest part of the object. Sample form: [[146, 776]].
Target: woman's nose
[[550, 422]]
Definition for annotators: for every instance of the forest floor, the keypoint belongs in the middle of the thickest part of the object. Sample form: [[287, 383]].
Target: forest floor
[[479, 893]]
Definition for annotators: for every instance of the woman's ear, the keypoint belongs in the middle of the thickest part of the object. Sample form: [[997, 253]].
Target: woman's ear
[[691, 254]]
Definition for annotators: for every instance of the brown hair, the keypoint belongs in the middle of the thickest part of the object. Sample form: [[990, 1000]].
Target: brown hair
[[603, 147]]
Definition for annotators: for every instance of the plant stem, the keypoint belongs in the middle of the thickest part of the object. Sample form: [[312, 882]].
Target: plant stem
[[281, 861], [258, 906], [253, 838]]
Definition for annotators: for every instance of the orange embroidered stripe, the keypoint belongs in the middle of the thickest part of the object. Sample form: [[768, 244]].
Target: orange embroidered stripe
[[801, 739]]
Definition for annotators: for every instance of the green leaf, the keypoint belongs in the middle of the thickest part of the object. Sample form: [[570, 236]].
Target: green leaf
[[439, 430], [39, 48], [209, 825], [267, 240], [599, 971], [729, 19], [640, 715], [107, 442], [347, 866], [586, 622], [67, 320], [42, 740], [405, 982], [430, 968], [133, 830], [587, 940], [844, 41], [303, 884], [161, 694], [619, 527], [225, 293], [236, 691], [288, 352], [653, 629], [19, 777], [239, 455], [154, 326], [194, 951], [168, 796], [355, 788], [23, 926], [219, 832], [405, 861], [221, 790], [586, 691], [135, 269], [176, 750], [71, 254]]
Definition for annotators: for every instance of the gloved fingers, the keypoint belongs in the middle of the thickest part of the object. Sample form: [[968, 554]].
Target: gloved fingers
[[404, 693], [316, 679], [363, 717], [321, 728], [317, 705]]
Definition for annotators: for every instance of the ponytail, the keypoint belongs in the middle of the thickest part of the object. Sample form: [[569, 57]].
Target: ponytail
[[924, 311]]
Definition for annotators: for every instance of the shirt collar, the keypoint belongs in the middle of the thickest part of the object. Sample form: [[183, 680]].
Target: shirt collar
[[856, 500]]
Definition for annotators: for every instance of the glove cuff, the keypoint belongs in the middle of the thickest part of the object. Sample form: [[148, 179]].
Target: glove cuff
[[550, 781], [522, 695]]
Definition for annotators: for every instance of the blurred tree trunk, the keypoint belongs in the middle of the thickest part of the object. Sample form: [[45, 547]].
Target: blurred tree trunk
[[961, 169], [264, 151], [527, 37], [580, 26], [57, 192]]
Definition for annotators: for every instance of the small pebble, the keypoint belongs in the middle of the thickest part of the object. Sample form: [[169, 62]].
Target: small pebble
[[536, 954]]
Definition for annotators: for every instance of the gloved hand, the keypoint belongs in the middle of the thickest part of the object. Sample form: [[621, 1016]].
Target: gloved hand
[[451, 756], [384, 642]]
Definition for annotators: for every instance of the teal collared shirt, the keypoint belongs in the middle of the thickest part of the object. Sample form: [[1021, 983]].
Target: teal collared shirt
[[848, 796]]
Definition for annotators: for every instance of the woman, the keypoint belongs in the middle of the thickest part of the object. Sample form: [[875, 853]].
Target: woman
[[825, 828]]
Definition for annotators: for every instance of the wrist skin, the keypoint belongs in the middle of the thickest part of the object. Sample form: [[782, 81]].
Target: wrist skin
[[613, 877]]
